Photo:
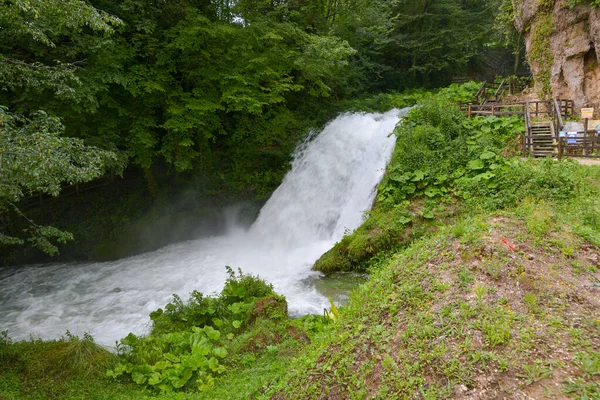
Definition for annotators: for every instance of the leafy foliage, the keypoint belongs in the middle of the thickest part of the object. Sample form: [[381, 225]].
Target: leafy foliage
[[218, 92], [440, 155], [188, 343], [438, 146], [426, 35], [34, 157], [237, 298]]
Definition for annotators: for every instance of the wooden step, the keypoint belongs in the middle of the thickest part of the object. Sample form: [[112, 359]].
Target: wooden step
[[541, 140]]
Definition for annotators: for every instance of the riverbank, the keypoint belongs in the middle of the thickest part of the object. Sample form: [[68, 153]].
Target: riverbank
[[484, 274], [500, 305], [484, 284]]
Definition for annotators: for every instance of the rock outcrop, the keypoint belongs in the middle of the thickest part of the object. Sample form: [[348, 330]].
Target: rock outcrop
[[563, 47]]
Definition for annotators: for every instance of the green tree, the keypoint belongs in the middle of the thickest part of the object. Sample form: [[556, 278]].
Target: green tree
[[507, 33], [35, 158], [431, 40], [34, 155]]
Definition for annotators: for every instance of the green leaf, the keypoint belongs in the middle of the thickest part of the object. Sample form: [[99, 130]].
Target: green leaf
[[220, 352], [171, 357], [410, 188], [432, 192], [213, 364], [427, 214], [239, 307], [212, 333], [205, 382], [487, 155], [404, 220], [161, 365], [184, 375], [236, 324], [129, 368], [197, 361], [200, 349], [398, 178], [475, 165], [138, 377], [419, 176], [486, 176], [155, 379]]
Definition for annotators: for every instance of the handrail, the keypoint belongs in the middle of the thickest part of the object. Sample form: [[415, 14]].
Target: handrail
[[526, 138], [501, 86], [586, 141], [558, 116], [481, 94]]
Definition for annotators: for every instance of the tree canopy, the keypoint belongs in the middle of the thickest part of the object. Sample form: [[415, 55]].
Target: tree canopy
[[206, 87]]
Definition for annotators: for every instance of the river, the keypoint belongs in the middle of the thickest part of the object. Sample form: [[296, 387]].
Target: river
[[331, 183]]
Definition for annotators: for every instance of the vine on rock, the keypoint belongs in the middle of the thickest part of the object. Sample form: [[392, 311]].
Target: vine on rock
[[540, 52]]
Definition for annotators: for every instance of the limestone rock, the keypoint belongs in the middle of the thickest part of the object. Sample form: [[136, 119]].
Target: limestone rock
[[575, 47]]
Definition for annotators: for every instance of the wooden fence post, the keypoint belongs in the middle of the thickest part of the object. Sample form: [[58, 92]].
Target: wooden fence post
[[560, 148], [585, 136]]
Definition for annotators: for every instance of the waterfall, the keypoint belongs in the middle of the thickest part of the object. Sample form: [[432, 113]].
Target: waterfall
[[331, 183]]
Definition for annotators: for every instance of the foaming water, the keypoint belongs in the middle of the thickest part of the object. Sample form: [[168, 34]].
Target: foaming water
[[331, 183]]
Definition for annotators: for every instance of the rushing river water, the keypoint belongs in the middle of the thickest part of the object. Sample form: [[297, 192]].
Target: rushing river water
[[331, 183]]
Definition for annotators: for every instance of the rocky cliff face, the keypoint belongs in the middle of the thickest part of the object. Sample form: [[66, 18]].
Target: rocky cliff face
[[563, 47]]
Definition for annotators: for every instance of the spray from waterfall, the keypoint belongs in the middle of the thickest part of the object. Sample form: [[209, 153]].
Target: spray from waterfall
[[331, 183]]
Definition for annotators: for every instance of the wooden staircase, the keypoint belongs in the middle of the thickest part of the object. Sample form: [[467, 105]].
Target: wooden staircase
[[542, 139], [543, 121]]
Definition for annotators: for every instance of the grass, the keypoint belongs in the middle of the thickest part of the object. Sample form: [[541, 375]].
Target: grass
[[451, 312], [403, 336], [73, 368]]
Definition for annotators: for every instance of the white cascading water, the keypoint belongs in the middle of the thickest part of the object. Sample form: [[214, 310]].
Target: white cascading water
[[331, 183]]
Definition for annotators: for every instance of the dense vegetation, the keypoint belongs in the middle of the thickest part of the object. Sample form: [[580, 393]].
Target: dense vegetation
[[483, 265], [210, 95], [222, 347], [483, 270]]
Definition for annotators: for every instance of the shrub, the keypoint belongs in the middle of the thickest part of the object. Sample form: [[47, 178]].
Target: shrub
[[188, 342]]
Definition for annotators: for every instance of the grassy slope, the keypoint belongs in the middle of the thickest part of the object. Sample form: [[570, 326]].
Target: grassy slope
[[460, 314], [494, 297]]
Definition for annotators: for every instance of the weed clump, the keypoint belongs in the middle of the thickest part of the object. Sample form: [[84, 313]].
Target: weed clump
[[194, 343], [48, 368]]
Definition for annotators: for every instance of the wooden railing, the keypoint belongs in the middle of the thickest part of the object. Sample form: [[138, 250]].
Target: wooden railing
[[553, 111], [567, 107], [527, 137], [512, 85], [541, 109], [581, 144], [499, 94], [584, 143], [558, 116], [516, 84], [481, 95], [495, 110]]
